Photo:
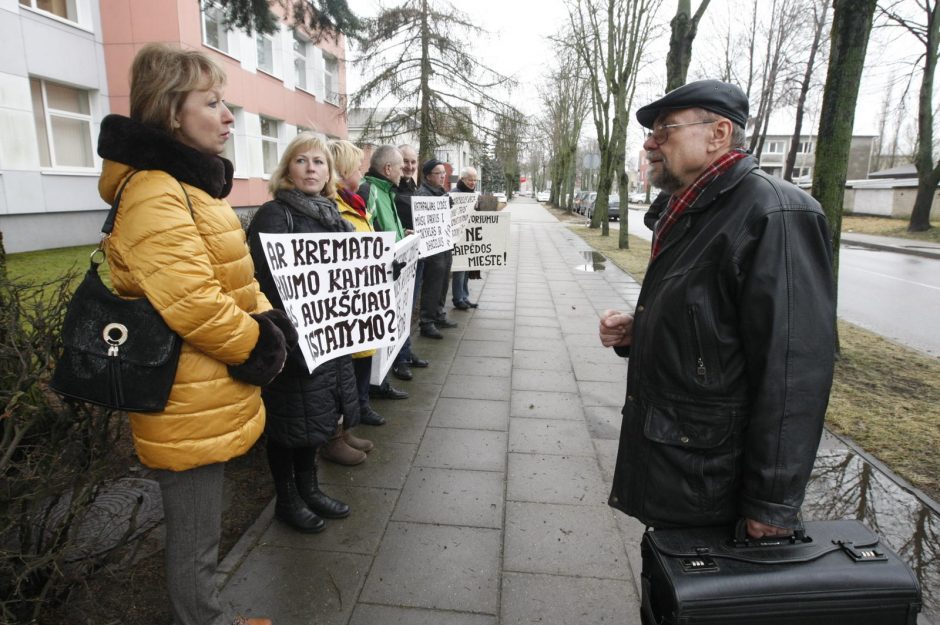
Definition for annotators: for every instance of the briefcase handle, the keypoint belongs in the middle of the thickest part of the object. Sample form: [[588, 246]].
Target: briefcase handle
[[741, 539]]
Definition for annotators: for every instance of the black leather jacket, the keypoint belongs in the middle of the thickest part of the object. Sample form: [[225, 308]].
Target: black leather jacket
[[732, 358]]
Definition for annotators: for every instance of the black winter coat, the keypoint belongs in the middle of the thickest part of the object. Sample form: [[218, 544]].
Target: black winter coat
[[732, 359], [303, 408]]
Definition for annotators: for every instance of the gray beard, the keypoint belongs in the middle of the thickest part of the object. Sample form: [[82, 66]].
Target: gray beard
[[666, 181]]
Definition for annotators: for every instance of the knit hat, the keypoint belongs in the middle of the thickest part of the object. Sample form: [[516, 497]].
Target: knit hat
[[429, 165]]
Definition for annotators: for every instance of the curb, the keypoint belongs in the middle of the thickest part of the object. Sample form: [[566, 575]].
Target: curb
[[923, 252], [245, 544]]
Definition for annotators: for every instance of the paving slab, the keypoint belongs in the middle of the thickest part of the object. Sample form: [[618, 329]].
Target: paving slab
[[471, 414], [436, 566], [565, 600], [488, 334], [478, 365], [544, 322], [551, 360], [386, 467], [476, 450], [602, 393], [544, 380], [291, 585], [452, 497], [546, 405], [544, 332], [603, 422], [531, 343], [563, 540], [495, 349], [572, 480], [367, 614], [477, 387], [555, 437]]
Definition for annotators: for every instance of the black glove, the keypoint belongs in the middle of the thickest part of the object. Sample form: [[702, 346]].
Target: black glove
[[268, 356], [283, 323]]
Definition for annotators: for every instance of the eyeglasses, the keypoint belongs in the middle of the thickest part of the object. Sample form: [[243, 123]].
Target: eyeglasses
[[435, 172], [660, 134]]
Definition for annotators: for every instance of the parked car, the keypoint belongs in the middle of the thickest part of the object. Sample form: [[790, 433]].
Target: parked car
[[579, 198], [500, 197], [587, 206], [543, 196], [638, 197], [613, 207]]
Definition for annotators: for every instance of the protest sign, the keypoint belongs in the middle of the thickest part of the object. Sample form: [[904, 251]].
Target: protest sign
[[485, 243], [431, 216], [463, 204], [337, 289], [406, 259]]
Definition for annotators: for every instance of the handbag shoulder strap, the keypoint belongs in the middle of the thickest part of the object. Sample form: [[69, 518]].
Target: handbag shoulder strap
[[108, 225]]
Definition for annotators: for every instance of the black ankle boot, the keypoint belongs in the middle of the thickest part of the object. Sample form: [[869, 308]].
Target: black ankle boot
[[291, 509], [316, 499]]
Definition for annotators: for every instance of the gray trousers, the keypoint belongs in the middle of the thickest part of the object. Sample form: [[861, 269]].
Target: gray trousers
[[192, 510]]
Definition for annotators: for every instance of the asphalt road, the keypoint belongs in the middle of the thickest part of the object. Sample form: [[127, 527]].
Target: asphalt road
[[894, 295]]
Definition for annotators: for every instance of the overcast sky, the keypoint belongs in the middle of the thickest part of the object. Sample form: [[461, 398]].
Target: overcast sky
[[518, 45]]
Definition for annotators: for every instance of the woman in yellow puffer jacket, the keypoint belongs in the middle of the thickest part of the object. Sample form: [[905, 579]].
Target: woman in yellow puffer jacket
[[177, 242]]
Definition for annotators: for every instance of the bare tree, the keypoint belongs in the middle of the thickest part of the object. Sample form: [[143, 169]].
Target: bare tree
[[418, 58], [610, 36], [820, 18], [926, 30], [683, 28]]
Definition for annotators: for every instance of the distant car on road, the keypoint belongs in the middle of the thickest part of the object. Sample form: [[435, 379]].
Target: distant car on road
[[613, 207], [543, 196], [579, 198], [638, 197], [500, 197], [587, 205]]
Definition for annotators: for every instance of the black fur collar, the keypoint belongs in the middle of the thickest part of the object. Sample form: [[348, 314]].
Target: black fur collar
[[132, 143]]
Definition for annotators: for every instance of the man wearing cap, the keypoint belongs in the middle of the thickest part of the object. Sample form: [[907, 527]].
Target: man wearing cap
[[436, 278], [732, 339]]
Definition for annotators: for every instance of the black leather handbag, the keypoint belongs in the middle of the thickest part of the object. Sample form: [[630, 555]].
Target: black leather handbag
[[117, 353]]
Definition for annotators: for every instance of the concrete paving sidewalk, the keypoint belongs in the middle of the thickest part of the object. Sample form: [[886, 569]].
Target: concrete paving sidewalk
[[484, 501], [912, 247]]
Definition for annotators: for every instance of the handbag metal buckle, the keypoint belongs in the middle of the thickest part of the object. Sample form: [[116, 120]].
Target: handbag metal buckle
[[114, 334]]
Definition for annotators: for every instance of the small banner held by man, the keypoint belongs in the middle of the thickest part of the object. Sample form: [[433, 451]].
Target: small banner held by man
[[432, 221], [485, 243], [337, 288], [462, 207], [406, 260]]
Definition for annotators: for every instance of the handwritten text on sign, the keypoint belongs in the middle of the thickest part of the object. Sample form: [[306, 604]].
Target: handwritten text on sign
[[337, 289], [431, 215], [406, 258], [485, 243], [460, 212]]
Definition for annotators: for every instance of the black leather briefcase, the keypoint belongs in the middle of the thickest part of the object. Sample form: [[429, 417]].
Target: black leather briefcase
[[836, 572]]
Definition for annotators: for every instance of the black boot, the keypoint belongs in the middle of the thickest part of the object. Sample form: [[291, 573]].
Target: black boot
[[316, 499], [291, 509]]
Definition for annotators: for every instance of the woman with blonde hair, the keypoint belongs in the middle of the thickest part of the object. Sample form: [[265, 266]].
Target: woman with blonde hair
[[305, 410], [177, 242], [347, 158]]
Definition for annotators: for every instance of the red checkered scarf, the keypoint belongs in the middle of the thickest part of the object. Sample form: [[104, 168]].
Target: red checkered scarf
[[678, 203]]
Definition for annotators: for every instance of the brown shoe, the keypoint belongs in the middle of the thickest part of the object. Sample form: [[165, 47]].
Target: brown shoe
[[357, 443], [339, 451]]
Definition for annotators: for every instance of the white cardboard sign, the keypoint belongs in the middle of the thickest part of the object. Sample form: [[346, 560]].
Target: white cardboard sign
[[484, 244], [432, 220], [406, 257]]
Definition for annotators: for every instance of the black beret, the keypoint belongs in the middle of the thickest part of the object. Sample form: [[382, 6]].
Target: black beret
[[429, 165], [712, 95]]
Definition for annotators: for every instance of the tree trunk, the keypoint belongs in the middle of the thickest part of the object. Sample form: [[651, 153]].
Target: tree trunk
[[425, 147], [851, 26], [684, 27], [927, 173], [804, 89]]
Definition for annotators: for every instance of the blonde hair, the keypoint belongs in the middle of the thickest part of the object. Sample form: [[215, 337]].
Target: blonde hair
[[162, 77], [302, 143], [347, 157]]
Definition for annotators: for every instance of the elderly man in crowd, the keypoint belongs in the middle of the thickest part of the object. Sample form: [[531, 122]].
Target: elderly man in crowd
[[731, 342], [460, 280]]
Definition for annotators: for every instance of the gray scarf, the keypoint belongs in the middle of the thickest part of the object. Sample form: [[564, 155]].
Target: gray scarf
[[316, 207]]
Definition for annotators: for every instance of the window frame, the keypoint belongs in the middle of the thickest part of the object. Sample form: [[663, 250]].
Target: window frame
[[48, 114], [773, 142], [328, 77], [266, 139], [204, 8], [74, 5], [806, 147], [305, 56], [260, 37]]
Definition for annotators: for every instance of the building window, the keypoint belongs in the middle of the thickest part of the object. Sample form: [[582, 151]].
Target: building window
[[806, 147], [265, 53], [63, 124], [269, 144], [802, 172], [774, 147], [300, 63], [331, 78], [60, 8], [214, 33]]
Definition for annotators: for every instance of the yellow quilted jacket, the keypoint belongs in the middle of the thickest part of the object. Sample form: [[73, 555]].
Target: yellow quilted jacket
[[196, 271], [362, 224]]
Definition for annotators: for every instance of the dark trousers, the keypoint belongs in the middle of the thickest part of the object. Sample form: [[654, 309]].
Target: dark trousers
[[363, 369], [433, 285]]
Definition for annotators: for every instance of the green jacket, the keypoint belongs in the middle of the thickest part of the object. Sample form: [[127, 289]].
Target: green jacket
[[379, 194]]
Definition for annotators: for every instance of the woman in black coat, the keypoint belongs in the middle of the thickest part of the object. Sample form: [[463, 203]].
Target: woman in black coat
[[304, 410]]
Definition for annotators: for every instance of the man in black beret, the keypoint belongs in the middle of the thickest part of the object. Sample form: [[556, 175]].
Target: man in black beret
[[731, 342], [436, 278]]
